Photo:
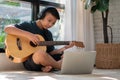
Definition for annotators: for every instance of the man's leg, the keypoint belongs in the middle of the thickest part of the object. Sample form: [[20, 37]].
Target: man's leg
[[41, 57], [48, 68]]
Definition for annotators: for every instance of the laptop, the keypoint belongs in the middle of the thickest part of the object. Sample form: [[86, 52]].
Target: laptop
[[78, 62]]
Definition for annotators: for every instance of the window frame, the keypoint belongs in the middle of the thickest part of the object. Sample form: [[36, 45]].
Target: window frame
[[36, 3]]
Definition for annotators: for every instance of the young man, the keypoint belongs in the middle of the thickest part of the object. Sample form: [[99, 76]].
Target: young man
[[40, 60]]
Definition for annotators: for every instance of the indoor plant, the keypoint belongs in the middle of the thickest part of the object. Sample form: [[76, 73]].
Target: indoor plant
[[107, 53], [103, 7]]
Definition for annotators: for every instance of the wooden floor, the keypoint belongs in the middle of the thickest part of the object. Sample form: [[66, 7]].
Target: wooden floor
[[12, 71], [97, 74]]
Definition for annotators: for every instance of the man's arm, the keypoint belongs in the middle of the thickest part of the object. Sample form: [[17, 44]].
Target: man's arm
[[11, 29], [58, 51]]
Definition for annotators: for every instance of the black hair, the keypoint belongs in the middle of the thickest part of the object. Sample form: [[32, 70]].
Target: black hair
[[51, 10]]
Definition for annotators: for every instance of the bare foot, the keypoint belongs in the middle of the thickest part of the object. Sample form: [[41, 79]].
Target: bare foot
[[46, 68]]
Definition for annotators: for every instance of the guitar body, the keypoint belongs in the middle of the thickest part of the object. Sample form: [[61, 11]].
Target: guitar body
[[18, 49]]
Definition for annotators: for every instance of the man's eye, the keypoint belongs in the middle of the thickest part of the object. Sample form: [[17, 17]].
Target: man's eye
[[49, 20]]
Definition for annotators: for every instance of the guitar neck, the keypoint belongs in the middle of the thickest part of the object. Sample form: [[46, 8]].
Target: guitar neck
[[48, 43]]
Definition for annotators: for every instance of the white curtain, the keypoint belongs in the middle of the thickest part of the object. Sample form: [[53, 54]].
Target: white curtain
[[79, 24], [68, 23]]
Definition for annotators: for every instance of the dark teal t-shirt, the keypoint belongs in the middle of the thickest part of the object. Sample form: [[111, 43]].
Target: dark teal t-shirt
[[32, 27]]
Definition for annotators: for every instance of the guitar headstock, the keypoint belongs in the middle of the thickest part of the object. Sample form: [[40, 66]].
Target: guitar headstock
[[79, 44]]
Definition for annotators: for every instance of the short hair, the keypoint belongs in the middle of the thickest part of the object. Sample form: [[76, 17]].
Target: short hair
[[51, 10]]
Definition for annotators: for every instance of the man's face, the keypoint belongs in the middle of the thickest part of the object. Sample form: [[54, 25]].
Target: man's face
[[48, 21]]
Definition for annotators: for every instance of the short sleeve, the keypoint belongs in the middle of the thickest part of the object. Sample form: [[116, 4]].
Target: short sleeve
[[23, 26]]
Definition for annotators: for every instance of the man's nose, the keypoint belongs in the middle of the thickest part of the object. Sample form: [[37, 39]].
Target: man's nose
[[50, 24]]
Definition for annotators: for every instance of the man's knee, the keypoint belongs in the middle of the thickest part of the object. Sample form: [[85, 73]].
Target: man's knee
[[39, 56], [40, 53]]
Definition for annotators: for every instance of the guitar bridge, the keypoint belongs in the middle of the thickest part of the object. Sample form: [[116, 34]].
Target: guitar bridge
[[11, 58]]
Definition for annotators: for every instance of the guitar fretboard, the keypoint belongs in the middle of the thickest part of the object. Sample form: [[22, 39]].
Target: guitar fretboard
[[48, 43]]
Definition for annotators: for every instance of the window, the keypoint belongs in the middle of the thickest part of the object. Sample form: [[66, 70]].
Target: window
[[12, 12], [57, 1], [16, 11]]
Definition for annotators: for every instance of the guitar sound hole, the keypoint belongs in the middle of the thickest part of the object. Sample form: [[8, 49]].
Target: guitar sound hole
[[19, 45], [32, 44]]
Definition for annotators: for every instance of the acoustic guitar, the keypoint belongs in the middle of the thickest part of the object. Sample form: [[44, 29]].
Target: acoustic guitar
[[18, 48]]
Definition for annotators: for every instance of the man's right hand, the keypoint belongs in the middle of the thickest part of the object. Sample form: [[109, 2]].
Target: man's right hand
[[34, 38]]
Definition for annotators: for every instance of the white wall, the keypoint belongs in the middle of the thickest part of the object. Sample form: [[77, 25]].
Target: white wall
[[114, 22]]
